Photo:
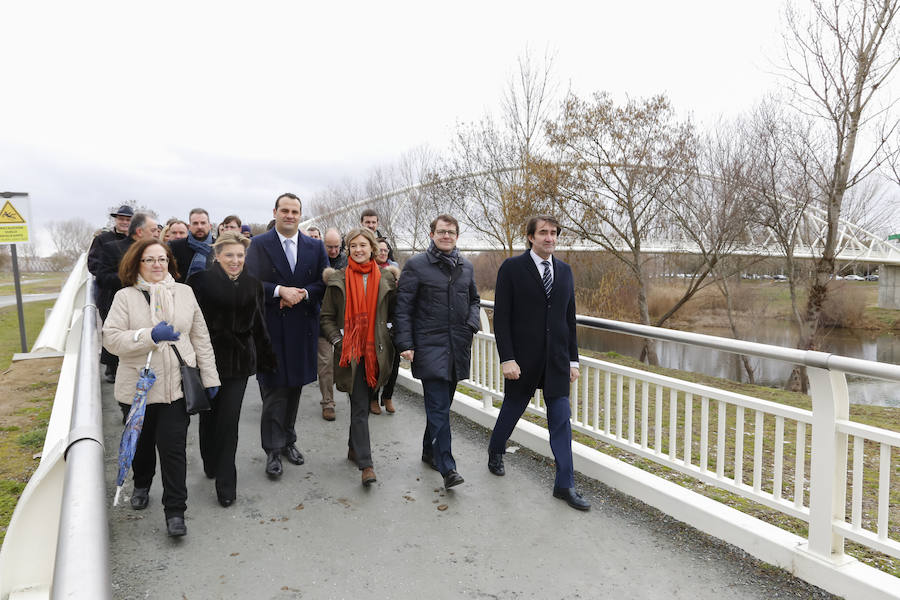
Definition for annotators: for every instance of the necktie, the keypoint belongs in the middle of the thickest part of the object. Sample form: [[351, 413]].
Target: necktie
[[546, 279], [289, 252]]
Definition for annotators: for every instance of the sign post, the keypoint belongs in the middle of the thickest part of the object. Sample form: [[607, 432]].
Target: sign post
[[15, 214]]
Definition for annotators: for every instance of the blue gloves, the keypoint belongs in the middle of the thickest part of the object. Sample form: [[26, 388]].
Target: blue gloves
[[163, 332], [212, 391]]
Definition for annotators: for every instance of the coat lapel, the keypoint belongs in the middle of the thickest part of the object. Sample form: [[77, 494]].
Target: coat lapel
[[276, 254], [532, 270]]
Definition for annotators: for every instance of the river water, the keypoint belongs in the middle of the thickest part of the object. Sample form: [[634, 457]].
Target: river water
[[846, 342]]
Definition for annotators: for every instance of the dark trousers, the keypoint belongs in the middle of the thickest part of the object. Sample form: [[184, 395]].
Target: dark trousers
[[388, 390], [219, 435], [165, 430], [279, 414], [558, 415], [359, 418], [436, 441]]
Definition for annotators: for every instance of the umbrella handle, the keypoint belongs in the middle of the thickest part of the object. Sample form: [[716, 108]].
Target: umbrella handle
[[147, 366]]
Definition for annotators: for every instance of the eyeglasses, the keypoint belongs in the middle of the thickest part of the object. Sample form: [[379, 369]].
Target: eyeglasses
[[449, 232], [152, 261]]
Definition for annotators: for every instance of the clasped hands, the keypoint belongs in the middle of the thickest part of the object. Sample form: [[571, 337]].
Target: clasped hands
[[511, 370], [290, 296]]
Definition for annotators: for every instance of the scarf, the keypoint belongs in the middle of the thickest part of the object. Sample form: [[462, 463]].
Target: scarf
[[359, 317], [201, 253], [162, 298], [451, 259]]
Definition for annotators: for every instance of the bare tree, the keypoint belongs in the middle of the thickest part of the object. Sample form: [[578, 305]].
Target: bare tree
[[493, 178], [70, 238], [415, 203], [620, 167], [837, 60]]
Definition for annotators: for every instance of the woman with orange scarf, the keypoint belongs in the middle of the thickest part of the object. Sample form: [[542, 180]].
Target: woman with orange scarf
[[358, 304]]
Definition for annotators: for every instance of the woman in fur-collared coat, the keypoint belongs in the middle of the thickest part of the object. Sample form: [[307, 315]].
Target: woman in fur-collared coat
[[358, 304], [232, 303], [151, 313]]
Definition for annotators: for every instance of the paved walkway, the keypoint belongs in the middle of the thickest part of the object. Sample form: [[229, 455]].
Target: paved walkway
[[317, 533], [11, 300]]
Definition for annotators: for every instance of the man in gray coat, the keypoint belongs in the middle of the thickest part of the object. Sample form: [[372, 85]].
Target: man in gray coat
[[437, 314]]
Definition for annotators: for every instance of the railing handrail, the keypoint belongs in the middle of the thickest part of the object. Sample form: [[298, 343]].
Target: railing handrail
[[81, 568], [806, 358]]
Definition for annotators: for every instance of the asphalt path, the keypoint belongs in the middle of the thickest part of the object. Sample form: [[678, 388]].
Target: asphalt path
[[318, 533]]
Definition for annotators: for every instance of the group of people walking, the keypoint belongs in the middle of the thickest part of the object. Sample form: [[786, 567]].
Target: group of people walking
[[291, 307]]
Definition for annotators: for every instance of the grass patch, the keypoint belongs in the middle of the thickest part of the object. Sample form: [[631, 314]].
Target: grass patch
[[10, 490], [35, 283], [9, 328], [34, 439]]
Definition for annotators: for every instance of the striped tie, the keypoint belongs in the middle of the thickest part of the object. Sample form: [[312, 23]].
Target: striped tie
[[546, 279]]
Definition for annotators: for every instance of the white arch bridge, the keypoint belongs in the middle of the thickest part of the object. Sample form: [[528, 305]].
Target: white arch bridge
[[856, 244]]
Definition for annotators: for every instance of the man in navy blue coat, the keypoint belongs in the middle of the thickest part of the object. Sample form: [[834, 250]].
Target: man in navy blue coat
[[289, 265], [534, 325]]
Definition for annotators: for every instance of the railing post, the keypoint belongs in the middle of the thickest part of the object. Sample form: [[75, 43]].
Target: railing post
[[828, 458], [486, 355]]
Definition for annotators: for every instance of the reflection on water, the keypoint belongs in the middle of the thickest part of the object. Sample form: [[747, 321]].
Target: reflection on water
[[846, 342]]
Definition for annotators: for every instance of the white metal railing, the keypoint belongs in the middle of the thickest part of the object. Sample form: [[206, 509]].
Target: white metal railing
[[57, 543], [788, 459]]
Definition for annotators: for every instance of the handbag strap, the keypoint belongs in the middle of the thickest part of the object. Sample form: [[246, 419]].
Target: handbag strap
[[178, 354]]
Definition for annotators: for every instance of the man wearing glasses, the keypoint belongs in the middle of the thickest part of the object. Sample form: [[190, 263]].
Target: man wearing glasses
[[437, 314]]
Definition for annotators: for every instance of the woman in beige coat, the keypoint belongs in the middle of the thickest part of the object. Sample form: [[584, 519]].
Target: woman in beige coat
[[150, 313]]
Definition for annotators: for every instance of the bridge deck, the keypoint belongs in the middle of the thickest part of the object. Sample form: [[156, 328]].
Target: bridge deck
[[317, 533]]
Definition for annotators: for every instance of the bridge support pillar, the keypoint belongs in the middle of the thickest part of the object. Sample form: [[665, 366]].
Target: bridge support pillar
[[889, 286]]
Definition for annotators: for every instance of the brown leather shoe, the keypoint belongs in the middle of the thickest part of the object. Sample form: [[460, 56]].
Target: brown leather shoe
[[328, 413], [368, 476], [374, 408], [388, 405]]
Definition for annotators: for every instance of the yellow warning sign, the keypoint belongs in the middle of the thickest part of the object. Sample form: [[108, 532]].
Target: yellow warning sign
[[13, 234], [9, 214]]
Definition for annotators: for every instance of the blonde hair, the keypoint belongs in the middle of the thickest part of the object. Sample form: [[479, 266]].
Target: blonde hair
[[366, 233], [230, 237]]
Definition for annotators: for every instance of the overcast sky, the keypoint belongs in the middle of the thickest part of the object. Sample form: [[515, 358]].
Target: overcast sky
[[225, 105]]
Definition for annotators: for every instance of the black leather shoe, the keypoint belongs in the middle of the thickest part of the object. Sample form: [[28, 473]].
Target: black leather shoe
[[292, 454], [140, 498], [273, 464], [427, 458], [226, 502], [452, 478], [175, 526], [571, 497], [495, 463]]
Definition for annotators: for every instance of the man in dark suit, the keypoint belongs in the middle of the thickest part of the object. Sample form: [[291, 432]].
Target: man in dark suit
[[194, 253], [290, 267], [95, 263], [534, 325]]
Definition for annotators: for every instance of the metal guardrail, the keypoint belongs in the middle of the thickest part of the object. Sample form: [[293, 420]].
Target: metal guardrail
[[57, 543], [682, 425]]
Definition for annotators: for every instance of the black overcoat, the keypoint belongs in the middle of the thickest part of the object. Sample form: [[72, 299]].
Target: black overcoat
[[233, 310], [437, 314], [537, 332], [184, 254]]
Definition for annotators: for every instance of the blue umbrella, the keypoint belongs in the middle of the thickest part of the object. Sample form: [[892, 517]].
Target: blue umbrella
[[133, 425]]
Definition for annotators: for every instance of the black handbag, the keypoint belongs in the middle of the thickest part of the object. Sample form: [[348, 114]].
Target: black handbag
[[195, 398]]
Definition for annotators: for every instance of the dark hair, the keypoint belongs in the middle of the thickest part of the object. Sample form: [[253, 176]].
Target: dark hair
[[386, 243], [231, 218], [137, 222], [446, 219], [369, 212], [288, 195], [130, 266], [531, 227], [198, 211]]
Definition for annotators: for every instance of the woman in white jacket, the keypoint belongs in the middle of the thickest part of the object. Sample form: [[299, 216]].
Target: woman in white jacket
[[153, 312]]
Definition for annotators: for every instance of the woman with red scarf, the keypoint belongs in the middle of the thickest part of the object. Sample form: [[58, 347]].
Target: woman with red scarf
[[358, 304]]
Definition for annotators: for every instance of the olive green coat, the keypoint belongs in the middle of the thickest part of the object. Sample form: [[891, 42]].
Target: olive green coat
[[332, 324]]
